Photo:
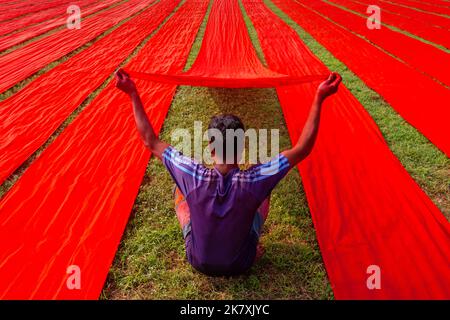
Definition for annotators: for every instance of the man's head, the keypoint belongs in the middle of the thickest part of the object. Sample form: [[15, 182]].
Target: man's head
[[226, 138]]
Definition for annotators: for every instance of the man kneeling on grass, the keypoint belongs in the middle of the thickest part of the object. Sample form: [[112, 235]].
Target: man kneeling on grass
[[222, 210]]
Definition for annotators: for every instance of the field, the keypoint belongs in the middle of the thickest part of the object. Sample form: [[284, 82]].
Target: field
[[150, 260]]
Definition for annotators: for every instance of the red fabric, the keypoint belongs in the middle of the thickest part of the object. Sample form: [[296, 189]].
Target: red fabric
[[417, 27], [72, 204], [416, 97], [422, 56], [227, 57], [54, 17], [36, 17], [415, 15], [10, 40], [238, 82], [23, 62], [28, 118], [10, 3], [428, 7], [366, 208], [35, 30], [18, 9], [22, 4]]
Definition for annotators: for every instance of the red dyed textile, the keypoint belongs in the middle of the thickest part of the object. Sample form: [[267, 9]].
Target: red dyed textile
[[366, 208], [58, 13], [28, 118], [415, 15], [25, 61], [13, 39], [415, 96], [16, 10], [445, 3], [417, 27], [72, 204], [49, 14], [422, 56], [227, 57], [237, 82], [428, 7]]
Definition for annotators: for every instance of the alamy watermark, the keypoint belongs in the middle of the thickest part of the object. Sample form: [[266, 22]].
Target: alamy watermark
[[373, 281], [374, 20], [74, 19], [227, 148], [73, 281]]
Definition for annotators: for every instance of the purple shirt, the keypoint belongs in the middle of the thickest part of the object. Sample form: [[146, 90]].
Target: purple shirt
[[222, 210]]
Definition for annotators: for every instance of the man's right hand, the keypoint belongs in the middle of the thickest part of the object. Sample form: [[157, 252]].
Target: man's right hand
[[124, 82], [329, 86], [305, 143]]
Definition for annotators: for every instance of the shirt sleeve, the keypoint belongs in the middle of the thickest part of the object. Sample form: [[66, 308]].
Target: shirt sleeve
[[186, 172], [262, 178]]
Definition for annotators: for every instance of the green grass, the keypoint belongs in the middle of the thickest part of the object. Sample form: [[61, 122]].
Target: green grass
[[151, 264]]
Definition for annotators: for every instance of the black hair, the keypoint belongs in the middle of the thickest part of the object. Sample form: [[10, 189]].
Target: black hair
[[224, 122]]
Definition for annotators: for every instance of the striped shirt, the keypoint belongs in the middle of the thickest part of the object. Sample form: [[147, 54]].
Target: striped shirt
[[222, 209]]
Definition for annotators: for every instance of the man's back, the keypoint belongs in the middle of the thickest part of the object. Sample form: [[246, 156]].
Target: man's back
[[222, 210]]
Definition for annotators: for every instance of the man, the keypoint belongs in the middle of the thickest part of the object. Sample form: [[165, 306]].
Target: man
[[222, 210]]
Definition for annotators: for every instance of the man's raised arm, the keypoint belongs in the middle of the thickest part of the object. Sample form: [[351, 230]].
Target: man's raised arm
[[150, 139], [308, 136]]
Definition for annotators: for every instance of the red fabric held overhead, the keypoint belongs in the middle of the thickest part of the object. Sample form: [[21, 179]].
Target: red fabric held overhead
[[23, 62], [239, 82], [420, 55], [72, 204], [417, 27], [415, 96], [366, 209], [227, 57], [28, 118]]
